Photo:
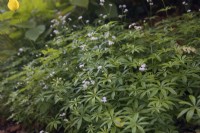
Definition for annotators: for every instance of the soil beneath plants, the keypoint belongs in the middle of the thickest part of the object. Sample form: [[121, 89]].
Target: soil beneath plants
[[10, 127]]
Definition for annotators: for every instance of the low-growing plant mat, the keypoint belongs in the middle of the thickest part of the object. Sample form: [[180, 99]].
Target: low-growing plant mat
[[108, 78]]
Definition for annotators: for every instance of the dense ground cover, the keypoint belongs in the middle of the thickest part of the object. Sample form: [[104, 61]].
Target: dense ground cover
[[110, 77], [83, 66]]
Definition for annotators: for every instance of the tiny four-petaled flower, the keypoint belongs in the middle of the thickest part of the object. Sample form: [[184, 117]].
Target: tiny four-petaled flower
[[104, 99], [143, 68]]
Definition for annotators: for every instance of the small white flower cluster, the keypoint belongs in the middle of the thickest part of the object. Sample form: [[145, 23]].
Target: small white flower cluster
[[143, 68], [42, 131], [150, 2], [69, 19], [184, 3], [110, 42], [120, 16], [57, 22], [90, 34], [87, 83], [124, 9], [83, 47], [56, 32], [122, 6], [92, 37], [87, 21], [20, 51], [52, 74], [62, 115], [104, 99], [80, 17], [99, 67], [54, 23], [103, 16], [135, 26], [131, 25], [81, 65], [102, 2]]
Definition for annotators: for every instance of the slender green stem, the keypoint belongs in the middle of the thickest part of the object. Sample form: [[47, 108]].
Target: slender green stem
[[165, 7]]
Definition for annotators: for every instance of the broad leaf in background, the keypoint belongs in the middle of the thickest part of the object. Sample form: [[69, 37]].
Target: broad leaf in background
[[81, 3], [34, 33]]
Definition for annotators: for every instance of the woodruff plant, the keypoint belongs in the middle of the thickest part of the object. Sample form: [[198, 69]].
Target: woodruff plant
[[109, 78]]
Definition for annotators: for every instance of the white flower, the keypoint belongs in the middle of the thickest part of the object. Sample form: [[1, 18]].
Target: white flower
[[126, 10], [104, 16], [102, 1], [143, 68], [138, 27], [81, 65], [51, 74], [69, 19], [184, 3], [99, 67], [114, 37], [101, 4], [21, 49], [93, 38], [151, 3], [104, 99], [110, 42], [120, 6], [92, 82], [82, 47], [87, 21], [80, 17], [85, 84], [56, 31], [120, 16], [90, 34], [41, 131], [63, 114], [124, 6], [110, 5], [188, 10], [106, 35]]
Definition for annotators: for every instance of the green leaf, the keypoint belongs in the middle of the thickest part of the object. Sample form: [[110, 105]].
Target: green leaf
[[189, 115], [35, 32], [79, 123], [118, 122], [81, 3], [182, 112], [193, 99]]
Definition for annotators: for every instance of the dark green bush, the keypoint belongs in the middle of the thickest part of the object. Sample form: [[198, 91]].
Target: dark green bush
[[109, 79]]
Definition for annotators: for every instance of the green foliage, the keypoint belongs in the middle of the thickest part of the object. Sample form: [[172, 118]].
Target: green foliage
[[81, 3], [109, 79]]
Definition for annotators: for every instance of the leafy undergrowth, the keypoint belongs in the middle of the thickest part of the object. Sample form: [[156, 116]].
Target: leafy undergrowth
[[109, 79]]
